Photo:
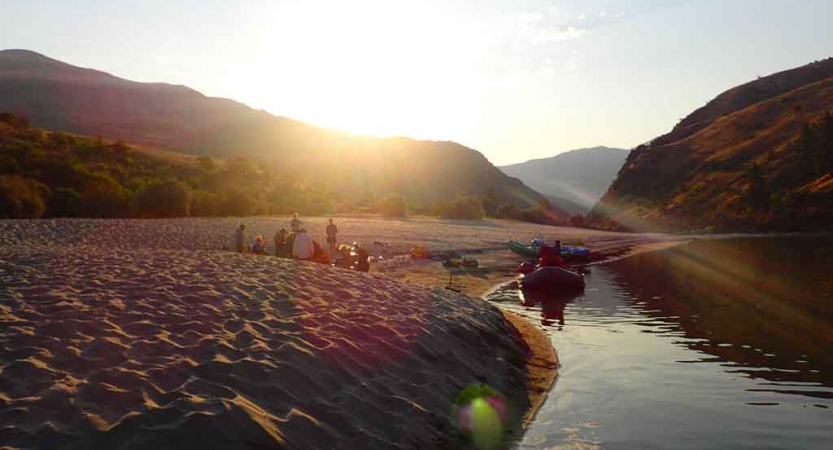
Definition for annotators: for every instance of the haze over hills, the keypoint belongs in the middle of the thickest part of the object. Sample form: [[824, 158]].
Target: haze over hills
[[573, 181], [757, 157], [58, 96]]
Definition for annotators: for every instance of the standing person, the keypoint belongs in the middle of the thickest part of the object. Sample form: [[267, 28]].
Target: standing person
[[303, 248], [332, 230], [240, 239], [295, 223], [290, 245], [363, 265], [281, 249]]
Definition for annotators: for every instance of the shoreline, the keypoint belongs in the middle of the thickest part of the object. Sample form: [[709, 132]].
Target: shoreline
[[237, 329], [541, 364], [542, 361]]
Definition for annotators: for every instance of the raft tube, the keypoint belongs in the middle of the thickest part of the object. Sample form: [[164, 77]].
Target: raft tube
[[523, 250], [532, 252], [552, 278]]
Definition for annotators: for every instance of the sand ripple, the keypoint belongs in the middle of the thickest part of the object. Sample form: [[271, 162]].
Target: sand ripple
[[137, 346]]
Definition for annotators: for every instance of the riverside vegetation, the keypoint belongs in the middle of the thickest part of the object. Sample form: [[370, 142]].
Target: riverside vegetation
[[56, 174], [289, 166]]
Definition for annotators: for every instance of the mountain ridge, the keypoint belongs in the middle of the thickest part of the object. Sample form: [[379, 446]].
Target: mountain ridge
[[749, 93], [59, 96], [34, 59], [566, 152], [753, 159], [573, 180]]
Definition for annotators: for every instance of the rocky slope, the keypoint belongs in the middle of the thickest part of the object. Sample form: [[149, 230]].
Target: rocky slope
[[757, 157]]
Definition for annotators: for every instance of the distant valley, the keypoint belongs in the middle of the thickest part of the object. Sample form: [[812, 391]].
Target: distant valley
[[573, 181]]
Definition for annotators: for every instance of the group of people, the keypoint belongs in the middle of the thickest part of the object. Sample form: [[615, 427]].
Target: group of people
[[295, 243]]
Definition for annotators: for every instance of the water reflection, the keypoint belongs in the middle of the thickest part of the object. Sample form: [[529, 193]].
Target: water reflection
[[765, 305], [716, 344], [552, 303]]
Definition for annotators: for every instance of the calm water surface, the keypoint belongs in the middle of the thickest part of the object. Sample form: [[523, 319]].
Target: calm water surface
[[718, 344]]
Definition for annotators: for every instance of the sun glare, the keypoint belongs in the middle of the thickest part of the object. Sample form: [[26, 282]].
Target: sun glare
[[369, 67]]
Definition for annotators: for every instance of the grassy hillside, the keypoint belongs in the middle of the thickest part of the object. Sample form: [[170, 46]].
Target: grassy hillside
[[55, 174], [748, 94], [758, 157], [59, 96], [573, 181]]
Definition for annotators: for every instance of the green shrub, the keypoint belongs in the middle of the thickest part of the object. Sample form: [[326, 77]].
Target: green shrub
[[542, 214], [237, 203], [506, 211], [26, 153], [393, 206], [14, 120], [63, 172], [105, 197], [65, 202], [8, 165], [317, 207], [465, 207], [205, 204], [490, 206], [206, 163], [21, 198], [539, 214], [170, 198]]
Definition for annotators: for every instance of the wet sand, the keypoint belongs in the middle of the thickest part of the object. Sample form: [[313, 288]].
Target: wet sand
[[137, 334], [541, 364]]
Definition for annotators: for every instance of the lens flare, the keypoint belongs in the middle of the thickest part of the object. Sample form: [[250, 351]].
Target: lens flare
[[480, 412]]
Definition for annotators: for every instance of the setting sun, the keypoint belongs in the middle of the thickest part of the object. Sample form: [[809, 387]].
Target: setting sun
[[416, 224], [407, 74]]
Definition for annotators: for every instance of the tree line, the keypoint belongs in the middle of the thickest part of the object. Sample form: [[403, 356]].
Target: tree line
[[55, 174]]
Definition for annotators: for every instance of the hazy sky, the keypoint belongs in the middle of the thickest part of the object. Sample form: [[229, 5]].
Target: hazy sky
[[514, 79]]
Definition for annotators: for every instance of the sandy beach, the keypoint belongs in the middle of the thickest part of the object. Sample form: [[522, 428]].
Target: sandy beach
[[390, 239], [140, 334], [382, 236]]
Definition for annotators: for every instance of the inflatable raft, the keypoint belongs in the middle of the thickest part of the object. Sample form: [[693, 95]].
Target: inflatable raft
[[575, 252], [523, 250], [551, 278], [531, 251]]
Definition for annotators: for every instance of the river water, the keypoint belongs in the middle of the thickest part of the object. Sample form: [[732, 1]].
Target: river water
[[715, 344]]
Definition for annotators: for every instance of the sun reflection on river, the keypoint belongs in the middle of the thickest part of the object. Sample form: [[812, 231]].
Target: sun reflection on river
[[714, 344]]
